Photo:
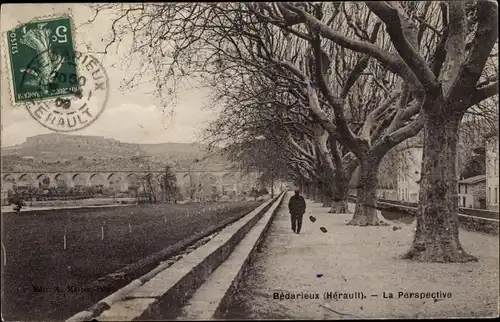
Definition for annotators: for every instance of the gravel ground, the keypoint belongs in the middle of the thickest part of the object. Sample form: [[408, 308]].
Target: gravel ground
[[362, 259]]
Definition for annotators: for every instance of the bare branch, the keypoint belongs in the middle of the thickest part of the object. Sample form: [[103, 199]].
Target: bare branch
[[390, 61], [484, 93], [455, 43], [408, 53], [470, 71]]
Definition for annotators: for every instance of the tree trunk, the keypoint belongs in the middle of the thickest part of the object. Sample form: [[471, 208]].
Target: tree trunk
[[302, 188], [311, 192], [308, 191], [327, 194], [339, 202], [315, 192], [319, 192], [325, 200], [436, 237], [365, 213], [272, 186]]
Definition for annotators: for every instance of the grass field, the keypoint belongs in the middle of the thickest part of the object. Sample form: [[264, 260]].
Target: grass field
[[43, 281]]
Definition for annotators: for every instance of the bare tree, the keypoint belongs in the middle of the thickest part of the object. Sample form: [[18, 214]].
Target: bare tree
[[386, 125], [446, 87], [427, 62], [147, 186], [169, 184]]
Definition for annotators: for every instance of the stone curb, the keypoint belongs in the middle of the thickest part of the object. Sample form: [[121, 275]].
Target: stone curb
[[220, 309], [251, 255], [209, 300], [168, 288]]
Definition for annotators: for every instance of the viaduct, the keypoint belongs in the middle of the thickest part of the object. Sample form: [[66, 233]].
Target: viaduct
[[207, 182]]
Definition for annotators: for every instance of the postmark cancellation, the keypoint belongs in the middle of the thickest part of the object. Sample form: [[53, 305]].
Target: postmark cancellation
[[63, 89]]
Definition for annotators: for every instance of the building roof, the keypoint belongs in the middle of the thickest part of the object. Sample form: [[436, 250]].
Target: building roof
[[474, 180]]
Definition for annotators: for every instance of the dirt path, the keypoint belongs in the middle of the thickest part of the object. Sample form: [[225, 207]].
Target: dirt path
[[362, 259]]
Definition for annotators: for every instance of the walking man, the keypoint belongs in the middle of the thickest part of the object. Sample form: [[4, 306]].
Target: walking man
[[297, 207]]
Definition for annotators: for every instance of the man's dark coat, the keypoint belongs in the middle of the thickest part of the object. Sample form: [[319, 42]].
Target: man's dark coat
[[297, 205]]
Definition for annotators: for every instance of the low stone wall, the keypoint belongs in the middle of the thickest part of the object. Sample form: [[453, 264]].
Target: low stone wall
[[469, 222], [161, 296], [486, 225], [479, 213], [208, 302]]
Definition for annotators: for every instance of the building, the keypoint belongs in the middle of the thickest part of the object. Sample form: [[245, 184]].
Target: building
[[409, 166], [407, 163], [471, 192], [4, 198], [408, 174], [492, 172]]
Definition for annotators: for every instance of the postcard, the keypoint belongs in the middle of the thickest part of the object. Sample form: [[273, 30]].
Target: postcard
[[267, 160]]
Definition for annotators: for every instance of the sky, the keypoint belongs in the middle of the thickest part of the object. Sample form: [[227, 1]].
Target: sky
[[129, 116]]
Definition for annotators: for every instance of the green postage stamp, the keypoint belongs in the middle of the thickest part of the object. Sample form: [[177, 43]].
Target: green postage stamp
[[63, 89], [42, 60]]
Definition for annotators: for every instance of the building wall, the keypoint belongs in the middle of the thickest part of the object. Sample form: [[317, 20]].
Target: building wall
[[408, 175], [472, 195], [492, 170], [387, 194], [4, 198]]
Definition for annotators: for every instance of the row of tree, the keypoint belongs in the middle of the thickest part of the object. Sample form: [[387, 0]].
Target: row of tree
[[313, 91]]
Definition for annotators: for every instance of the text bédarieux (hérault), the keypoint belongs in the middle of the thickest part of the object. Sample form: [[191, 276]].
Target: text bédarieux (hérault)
[[359, 295]]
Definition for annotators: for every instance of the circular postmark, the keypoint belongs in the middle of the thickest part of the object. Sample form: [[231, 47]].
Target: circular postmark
[[75, 96]]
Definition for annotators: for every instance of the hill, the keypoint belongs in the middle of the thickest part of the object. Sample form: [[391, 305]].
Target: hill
[[63, 152]]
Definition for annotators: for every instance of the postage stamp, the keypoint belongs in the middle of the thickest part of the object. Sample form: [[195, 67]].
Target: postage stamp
[[63, 89], [38, 53]]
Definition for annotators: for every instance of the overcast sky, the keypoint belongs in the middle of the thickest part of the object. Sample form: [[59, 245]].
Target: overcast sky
[[128, 116]]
